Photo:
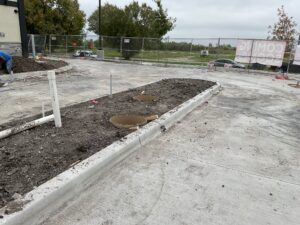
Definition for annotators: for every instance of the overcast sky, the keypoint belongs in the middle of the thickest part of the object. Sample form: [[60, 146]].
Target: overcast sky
[[217, 18]]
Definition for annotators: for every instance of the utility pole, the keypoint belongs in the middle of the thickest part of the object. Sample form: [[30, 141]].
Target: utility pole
[[99, 21], [23, 29]]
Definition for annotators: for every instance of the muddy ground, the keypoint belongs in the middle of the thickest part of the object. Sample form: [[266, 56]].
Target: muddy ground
[[22, 65], [33, 157]]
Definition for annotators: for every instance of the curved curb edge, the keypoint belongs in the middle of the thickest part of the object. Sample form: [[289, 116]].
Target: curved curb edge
[[34, 74]]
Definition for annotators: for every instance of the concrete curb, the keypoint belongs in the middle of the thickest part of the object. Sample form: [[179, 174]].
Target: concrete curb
[[251, 71], [204, 68], [46, 200], [157, 64], [34, 74]]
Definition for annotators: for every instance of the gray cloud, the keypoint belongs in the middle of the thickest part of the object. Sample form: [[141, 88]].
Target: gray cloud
[[217, 18]]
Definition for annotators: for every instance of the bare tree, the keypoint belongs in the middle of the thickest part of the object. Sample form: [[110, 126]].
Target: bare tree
[[284, 29]]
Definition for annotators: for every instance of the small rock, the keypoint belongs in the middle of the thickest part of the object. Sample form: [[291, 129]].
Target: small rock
[[118, 134], [12, 172], [271, 194], [91, 107], [17, 196], [11, 189], [25, 169], [223, 186], [163, 128]]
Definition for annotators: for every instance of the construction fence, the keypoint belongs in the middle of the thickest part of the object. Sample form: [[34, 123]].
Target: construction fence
[[190, 51]]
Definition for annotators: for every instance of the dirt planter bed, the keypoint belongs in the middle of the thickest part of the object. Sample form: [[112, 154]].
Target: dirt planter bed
[[23, 65], [25, 68], [35, 156]]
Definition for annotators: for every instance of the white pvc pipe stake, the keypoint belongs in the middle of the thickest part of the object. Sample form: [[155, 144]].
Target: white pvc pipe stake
[[43, 109], [54, 98], [110, 90], [33, 45]]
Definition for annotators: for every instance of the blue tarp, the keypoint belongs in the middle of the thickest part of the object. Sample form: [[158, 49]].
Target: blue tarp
[[7, 61]]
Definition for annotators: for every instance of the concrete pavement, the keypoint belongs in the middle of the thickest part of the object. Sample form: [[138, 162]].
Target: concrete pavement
[[233, 161]]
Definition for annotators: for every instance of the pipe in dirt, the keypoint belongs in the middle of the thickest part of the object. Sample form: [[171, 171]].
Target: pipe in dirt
[[26, 126], [110, 83], [43, 109]]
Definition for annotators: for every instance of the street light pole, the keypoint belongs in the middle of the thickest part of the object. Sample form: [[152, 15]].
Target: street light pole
[[99, 21]]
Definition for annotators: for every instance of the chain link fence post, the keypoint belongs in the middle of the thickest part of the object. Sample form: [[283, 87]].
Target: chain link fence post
[[143, 46], [66, 46], [191, 48], [294, 47], [218, 48], [121, 46], [45, 45], [50, 38], [157, 51]]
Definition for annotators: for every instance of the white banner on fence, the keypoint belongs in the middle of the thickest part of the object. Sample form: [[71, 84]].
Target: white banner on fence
[[260, 51], [243, 51], [297, 56]]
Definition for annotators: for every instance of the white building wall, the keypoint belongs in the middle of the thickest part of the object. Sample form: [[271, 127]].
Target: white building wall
[[10, 34]]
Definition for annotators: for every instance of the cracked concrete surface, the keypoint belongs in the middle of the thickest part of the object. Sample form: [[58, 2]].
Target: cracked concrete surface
[[235, 160]]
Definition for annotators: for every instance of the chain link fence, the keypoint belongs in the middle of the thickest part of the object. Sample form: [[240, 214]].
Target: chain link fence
[[188, 51]]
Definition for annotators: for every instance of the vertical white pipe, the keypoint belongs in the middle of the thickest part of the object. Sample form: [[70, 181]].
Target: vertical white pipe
[[43, 109], [54, 98], [110, 90], [33, 45]]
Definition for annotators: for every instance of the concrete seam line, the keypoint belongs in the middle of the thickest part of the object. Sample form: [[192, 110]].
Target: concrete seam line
[[45, 199]]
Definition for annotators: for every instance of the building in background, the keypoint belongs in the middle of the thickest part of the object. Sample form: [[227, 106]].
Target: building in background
[[13, 34]]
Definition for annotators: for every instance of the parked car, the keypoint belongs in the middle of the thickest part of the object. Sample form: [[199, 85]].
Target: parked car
[[227, 63], [204, 53], [84, 53]]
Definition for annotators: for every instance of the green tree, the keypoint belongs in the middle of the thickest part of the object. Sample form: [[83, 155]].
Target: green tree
[[134, 20], [54, 17], [284, 29]]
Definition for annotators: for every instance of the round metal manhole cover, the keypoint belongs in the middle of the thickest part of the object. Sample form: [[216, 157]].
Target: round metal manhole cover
[[128, 121]]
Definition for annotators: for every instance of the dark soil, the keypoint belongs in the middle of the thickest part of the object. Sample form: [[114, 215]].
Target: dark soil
[[21, 65], [33, 157]]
